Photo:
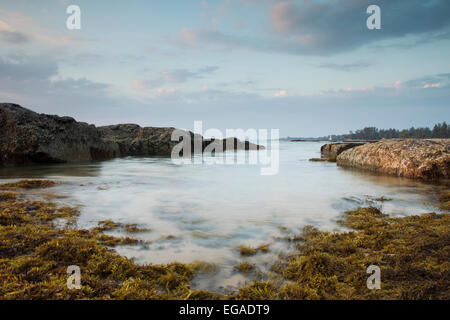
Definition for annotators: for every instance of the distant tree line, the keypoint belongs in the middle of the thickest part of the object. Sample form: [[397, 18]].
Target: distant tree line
[[372, 133]]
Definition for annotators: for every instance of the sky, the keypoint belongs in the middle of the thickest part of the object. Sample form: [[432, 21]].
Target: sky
[[308, 68]]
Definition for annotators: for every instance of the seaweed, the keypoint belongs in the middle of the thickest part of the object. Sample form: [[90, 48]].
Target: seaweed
[[444, 199], [133, 228], [245, 267], [109, 225], [329, 159], [249, 251], [4, 196], [28, 184], [412, 253], [35, 253], [382, 199]]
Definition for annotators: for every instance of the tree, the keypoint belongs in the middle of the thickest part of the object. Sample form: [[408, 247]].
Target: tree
[[373, 133]]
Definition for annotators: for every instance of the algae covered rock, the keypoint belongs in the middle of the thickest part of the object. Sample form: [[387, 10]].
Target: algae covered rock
[[426, 159]]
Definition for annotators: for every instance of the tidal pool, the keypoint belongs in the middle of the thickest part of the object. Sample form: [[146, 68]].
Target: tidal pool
[[203, 212]]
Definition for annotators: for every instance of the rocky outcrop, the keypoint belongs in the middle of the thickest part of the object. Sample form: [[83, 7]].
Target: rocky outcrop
[[332, 150], [27, 137], [133, 140], [426, 159]]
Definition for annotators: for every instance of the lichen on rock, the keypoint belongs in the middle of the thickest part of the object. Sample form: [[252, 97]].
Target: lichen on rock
[[427, 159]]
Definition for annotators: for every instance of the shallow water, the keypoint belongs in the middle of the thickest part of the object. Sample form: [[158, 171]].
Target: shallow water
[[204, 212]]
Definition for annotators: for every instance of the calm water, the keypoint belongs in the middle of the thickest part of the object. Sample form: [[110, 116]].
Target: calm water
[[209, 210]]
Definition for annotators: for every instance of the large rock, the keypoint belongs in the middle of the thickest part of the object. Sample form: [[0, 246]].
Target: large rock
[[426, 159], [332, 150], [28, 137]]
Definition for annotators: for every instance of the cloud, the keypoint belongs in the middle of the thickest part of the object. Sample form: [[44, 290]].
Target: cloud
[[18, 28], [330, 27], [14, 37], [175, 76], [196, 37], [34, 82], [83, 59], [170, 93], [347, 67], [239, 83], [183, 75], [397, 84], [82, 85], [340, 25], [432, 85], [19, 67], [10, 35], [202, 38], [435, 81], [281, 94]]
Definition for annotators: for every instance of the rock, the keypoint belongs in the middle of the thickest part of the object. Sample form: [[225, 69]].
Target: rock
[[332, 150], [133, 140], [231, 144], [426, 159], [27, 137]]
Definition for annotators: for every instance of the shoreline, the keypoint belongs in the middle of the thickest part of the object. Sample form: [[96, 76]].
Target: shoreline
[[335, 258]]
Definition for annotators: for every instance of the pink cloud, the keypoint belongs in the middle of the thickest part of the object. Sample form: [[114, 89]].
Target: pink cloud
[[362, 89], [281, 16], [188, 36], [431, 85], [166, 92], [395, 85], [138, 84], [281, 94], [21, 23], [6, 27]]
